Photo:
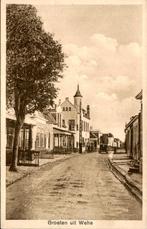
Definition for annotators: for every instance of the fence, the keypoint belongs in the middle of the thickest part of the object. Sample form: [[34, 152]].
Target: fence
[[28, 157]]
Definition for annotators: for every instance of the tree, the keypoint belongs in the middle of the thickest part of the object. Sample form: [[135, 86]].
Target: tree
[[35, 61]]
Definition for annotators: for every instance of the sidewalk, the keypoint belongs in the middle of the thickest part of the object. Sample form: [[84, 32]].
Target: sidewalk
[[23, 171], [119, 165]]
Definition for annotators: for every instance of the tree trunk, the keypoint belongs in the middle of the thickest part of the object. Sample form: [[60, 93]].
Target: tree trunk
[[13, 166], [20, 116]]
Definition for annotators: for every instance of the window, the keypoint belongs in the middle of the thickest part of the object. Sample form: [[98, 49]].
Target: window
[[63, 123], [83, 142], [69, 108], [56, 140], [45, 140], [86, 126], [21, 137], [66, 108], [64, 141], [82, 124], [63, 108], [71, 124], [77, 127], [48, 140], [26, 140], [40, 140], [60, 120], [37, 143], [10, 137]]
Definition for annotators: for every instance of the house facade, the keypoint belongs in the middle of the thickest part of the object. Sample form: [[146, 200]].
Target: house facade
[[94, 140], [40, 132], [76, 119], [133, 136], [35, 133], [60, 129]]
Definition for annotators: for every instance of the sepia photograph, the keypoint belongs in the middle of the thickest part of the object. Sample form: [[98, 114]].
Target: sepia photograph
[[72, 98]]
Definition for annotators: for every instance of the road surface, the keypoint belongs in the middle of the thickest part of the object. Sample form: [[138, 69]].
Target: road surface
[[80, 187]]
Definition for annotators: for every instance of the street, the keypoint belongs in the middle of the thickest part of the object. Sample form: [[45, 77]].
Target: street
[[81, 187]]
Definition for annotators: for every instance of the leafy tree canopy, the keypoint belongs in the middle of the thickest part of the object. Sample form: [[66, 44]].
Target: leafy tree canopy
[[35, 60]]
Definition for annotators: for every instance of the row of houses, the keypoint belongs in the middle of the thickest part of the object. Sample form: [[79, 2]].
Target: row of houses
[[102, 141], [61, 128], [133, 137], [64, 128]]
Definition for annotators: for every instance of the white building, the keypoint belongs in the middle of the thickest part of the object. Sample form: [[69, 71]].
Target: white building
[[59, 129], [76, 119], [40, 132]]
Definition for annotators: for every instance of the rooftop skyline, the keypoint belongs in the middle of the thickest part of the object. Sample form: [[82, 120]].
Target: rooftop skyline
[[103, 48]]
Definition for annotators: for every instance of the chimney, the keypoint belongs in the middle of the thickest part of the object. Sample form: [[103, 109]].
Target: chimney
[[88, 111]]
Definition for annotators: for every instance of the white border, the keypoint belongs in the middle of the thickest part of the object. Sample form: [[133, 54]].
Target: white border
[[102, 224]]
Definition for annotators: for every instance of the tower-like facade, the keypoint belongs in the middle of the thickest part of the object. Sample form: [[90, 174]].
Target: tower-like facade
[[78, 99], [78, 105], [77, 119]]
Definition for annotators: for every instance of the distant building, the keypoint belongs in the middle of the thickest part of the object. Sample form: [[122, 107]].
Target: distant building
[[117, 143], [106, 142], [110, 139], [94, 140], [76, 119]]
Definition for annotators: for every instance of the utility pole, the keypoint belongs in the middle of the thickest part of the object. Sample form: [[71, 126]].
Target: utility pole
[[80, 129]]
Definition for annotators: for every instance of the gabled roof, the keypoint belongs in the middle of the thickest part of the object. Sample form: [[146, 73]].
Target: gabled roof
[[68, 101], [139, 95], [132, 119], [49, 117]]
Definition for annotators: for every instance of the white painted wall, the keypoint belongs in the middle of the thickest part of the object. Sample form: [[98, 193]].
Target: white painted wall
[[110, 141]]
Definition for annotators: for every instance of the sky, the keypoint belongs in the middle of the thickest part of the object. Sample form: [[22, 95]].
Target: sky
[[103, 45]]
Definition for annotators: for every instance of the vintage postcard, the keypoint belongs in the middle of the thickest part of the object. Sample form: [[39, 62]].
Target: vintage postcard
[[73, 112]]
